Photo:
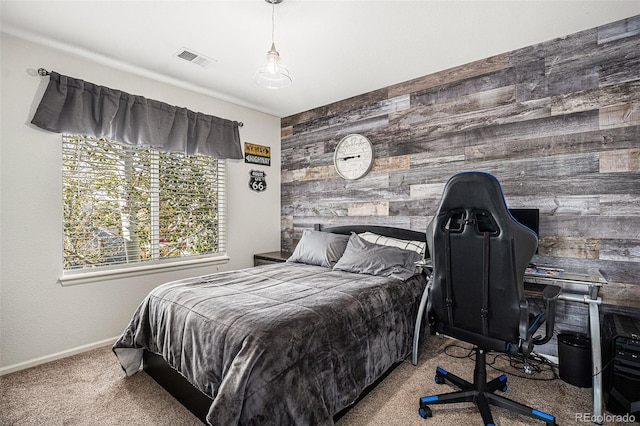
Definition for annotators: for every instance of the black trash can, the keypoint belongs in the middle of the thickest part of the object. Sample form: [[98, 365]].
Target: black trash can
[[574, 359]]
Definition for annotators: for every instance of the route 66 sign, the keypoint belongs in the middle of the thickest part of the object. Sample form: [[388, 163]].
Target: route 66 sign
[[257, 180]]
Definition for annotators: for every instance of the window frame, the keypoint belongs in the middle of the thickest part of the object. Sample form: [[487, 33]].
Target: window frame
[[128, 270]]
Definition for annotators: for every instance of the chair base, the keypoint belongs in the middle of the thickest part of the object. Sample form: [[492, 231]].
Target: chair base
[[480, 393]]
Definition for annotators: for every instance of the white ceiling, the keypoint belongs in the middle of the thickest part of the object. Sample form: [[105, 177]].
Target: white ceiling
[[333, 49]]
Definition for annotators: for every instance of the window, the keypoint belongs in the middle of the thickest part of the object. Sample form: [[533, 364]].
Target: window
[[134, 205]]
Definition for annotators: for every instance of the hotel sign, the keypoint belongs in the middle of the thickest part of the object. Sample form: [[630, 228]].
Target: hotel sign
[[257, 154]]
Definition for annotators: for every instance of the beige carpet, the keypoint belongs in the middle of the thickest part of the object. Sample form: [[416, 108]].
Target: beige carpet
[[91, 389], [395, 400]]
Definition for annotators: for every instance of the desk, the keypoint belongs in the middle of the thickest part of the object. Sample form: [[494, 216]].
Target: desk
[[577, 286], [583, 287]]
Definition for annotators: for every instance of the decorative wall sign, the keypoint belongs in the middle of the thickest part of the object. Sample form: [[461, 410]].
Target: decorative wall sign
[[257, 154], [257, 180]]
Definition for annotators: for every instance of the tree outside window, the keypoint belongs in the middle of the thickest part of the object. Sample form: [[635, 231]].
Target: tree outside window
[[127, 204]]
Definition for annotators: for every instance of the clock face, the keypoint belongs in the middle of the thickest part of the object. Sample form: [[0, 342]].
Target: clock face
[[353, 157]]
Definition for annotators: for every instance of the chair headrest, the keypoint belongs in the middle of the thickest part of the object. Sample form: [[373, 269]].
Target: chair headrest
[[474, 191]]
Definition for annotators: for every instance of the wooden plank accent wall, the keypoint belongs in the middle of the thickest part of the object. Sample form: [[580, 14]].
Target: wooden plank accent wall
[[558, 123]]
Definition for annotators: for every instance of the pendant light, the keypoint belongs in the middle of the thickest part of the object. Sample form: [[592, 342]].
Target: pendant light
[[272, 74]]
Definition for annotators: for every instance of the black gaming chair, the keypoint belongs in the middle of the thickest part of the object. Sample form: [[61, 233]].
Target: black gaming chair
[[479, 254]]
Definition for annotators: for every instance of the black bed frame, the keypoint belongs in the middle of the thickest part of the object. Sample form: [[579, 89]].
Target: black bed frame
[[197, 402], [387, 231]]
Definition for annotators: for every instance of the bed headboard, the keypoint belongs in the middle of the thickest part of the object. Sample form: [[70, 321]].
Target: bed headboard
[[387, 231]]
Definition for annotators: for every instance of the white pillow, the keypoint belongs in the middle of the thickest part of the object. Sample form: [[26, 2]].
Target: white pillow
[[417, 246]]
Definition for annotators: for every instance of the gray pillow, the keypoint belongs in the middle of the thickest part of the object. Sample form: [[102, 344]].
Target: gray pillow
[[364, 257], [319, 248]]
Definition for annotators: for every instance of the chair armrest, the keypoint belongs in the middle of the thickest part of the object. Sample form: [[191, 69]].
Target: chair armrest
[[551, 292], [550, 295]]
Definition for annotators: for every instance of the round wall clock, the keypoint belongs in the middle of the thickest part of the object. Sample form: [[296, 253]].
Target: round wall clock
[[353, 157]]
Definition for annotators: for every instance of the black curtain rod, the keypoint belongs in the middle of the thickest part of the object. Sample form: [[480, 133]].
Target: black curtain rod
[[43, 72]]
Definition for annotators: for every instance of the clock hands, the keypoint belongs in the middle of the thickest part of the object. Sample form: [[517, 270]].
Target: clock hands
[[349, 158]]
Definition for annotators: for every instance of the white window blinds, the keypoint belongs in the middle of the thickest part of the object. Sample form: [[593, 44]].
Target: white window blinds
[[126, 204]]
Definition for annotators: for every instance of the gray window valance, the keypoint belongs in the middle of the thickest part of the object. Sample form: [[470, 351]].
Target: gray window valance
[[75, 106]]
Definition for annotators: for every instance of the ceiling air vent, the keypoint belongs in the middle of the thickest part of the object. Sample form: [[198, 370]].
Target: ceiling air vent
[[195, 58]]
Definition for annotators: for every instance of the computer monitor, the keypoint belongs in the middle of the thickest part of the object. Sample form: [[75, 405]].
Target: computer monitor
[[529, 218]]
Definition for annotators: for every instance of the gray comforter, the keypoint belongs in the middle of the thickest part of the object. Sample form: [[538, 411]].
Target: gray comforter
[[276, 344]]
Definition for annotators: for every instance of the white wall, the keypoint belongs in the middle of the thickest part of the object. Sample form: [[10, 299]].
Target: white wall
[[41, 320]]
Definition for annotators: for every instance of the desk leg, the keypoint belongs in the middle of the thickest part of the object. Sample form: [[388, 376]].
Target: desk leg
[[594, 326]]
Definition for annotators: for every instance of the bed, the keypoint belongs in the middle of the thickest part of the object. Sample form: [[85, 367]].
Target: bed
[[287, 343]]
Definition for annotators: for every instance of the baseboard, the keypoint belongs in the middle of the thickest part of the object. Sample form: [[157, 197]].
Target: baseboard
[[59, 355]]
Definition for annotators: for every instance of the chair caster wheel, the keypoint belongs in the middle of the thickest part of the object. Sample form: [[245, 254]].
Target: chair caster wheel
[[504, 388], [425, 412], [439, 380]]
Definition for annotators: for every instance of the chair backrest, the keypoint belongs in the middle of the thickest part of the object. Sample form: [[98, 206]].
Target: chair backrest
[[479, 254]]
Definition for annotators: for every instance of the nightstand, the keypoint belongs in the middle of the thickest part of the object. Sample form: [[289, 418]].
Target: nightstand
[[271, 257]]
